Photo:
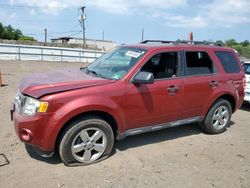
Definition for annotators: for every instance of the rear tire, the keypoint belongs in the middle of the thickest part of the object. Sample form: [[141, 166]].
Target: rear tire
[[86, 141], [218, 117]]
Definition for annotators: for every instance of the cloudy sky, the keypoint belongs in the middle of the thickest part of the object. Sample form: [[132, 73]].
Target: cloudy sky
[[123, 20]]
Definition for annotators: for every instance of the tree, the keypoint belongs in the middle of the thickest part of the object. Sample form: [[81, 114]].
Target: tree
[[220, 42], [245, 43], [9, 33], [230, 42], [1, 30]]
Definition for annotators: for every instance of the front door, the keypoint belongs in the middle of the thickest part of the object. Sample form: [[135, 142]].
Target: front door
[[151, 104]]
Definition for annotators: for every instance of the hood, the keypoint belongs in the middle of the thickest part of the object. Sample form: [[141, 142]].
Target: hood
[[40, 84]]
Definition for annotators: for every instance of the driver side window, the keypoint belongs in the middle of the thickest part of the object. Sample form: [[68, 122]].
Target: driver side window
[[162, 65]]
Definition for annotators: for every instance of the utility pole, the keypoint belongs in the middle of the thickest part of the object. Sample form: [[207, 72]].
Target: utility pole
[[103, 34], [82, 22], [45, 35], [142, 34]]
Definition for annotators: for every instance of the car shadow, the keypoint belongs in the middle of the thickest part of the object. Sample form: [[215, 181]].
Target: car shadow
[[158, 136], [55, 159], [245, 106], [137, 140], [4, 85]]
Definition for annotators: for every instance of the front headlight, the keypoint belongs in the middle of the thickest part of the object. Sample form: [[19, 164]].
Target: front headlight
[[31, 106]]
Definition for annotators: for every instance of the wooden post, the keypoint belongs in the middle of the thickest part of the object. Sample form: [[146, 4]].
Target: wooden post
[[190, 37], [1, 82]]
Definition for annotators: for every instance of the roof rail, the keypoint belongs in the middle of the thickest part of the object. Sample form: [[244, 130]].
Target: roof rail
[[181, 42], [155, 41]]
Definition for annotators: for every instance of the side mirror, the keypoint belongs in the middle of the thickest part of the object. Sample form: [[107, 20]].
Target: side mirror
[[143, 78]]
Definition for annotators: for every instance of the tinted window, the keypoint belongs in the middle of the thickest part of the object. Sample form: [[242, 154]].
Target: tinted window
[[228, 61], [163, 65], [199, 63], [247, 68]]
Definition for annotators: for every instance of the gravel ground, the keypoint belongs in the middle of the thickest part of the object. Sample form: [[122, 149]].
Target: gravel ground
[[176, 157]]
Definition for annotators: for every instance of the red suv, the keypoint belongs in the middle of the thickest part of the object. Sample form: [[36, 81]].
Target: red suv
[[130, 90]]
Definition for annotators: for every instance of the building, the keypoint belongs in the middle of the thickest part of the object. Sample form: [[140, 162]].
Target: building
[[103, 45]]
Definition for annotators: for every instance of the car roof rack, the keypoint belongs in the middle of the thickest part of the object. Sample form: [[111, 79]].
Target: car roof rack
[[181, 42], [157, 41]]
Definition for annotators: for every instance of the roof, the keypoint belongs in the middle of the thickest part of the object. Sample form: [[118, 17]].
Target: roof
[[153, 46], [162, 44], [62, 38]]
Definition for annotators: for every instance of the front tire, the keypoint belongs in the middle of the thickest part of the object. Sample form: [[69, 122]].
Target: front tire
[[86, 141], [218, 117]]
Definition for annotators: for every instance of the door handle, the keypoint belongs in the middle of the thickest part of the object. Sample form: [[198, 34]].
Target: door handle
[[173, 89], [214, 83]]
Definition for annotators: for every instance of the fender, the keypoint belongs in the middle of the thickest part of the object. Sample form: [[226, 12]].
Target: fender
[[224, 89], [78, 106]]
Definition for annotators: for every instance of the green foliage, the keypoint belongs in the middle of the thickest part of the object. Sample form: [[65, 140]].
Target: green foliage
[[245, 43], [230, 42], [243, 50], [220, 42], [9, 33], [26, 38], [242, 47]]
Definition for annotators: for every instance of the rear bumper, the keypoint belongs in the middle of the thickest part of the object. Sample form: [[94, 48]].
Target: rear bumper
[[34, 130]]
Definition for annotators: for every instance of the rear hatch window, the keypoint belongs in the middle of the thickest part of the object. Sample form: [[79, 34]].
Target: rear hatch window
[[228, 61]]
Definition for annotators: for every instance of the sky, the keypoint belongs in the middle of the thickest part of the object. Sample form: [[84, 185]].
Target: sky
[[122, 20]]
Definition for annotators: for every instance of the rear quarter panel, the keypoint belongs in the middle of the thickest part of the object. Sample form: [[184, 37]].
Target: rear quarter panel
[[229, 83]]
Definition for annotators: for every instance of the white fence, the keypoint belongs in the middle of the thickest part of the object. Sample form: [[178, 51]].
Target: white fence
[[26, 52]]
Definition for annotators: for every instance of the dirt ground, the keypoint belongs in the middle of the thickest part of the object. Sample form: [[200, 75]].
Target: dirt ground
[[176, 157]]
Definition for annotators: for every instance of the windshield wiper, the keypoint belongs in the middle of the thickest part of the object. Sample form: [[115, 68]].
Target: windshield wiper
[[93, 72]]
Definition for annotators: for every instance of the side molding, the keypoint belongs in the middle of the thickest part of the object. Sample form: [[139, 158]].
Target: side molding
[[141, 130]]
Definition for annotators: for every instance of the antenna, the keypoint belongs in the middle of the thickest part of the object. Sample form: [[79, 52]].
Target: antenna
[[103, 34], [142, 35]]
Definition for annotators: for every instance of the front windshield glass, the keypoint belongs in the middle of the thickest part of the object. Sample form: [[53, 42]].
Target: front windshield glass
[[247, 68], [116, 63]]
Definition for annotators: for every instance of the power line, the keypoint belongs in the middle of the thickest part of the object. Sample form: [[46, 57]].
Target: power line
[[30, 7], [54, 33], [47, 21]]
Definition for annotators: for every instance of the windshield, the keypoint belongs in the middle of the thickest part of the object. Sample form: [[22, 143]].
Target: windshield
[[116, 63], [247, 68]]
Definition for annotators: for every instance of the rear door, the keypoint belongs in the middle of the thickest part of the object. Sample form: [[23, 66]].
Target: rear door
[[200, 81]]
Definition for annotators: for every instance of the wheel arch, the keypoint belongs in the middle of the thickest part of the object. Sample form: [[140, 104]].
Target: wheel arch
[[230, 98], [100, 114]]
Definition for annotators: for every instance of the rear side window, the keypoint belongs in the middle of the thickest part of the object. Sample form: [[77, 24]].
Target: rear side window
[[228, 61], [198, 63]]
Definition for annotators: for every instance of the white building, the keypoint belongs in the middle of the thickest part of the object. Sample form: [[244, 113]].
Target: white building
[[103, 45]]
